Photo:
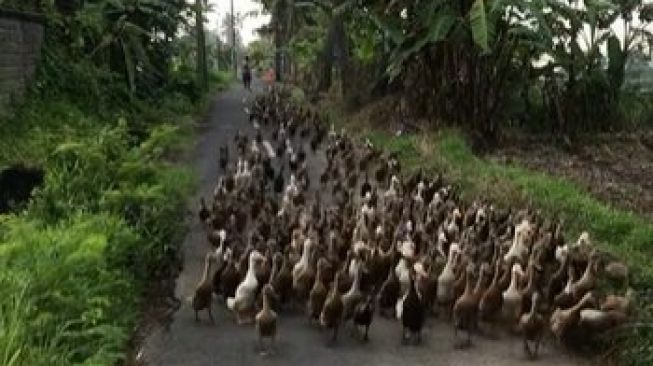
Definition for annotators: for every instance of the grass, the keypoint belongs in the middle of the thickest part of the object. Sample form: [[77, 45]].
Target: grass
[[108, 219], [622, 234]]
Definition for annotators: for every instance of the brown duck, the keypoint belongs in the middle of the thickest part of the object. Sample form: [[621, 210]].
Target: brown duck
[[266, 320], [532, 327], [201, 300], [319, 292], [331, 315]]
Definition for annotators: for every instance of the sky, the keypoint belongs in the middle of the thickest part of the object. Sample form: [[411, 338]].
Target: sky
[[250, 24]]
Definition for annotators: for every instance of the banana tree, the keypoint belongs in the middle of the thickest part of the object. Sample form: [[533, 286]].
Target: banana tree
[[462, 55], [121, 34]]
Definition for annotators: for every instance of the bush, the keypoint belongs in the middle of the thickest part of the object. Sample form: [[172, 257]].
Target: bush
[[63, 301], [107, 219]]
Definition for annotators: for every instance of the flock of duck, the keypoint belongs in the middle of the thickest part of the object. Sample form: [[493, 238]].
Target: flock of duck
[[379, 244]]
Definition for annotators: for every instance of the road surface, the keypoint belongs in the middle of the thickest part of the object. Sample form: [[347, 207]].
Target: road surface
[[184, 342]]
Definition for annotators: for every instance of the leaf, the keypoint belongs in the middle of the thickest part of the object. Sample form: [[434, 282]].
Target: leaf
[[440, 26], [479, 25], [616, 62], [129, 65], [394, 32]]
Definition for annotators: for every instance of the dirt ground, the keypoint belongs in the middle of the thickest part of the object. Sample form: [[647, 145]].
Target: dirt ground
[[615, 168]]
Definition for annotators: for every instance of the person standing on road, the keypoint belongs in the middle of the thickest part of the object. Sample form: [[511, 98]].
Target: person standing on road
[[247, 75]]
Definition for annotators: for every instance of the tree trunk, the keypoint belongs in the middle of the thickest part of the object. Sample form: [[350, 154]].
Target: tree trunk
[[202, 74]]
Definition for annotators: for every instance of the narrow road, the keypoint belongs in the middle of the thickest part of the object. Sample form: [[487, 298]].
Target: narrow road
[[188, 343]]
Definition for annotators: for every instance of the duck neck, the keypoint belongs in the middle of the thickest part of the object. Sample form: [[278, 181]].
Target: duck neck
[[273, 271], [332, 248], [356, 284], [531, 276], [497, 272], [589, 271], [403, 263], [479, 282], [513, 281], [320, 274], [584, 302], [207, 268], [562, 268], [334, 286], [266, 302], [534, 305], [468, 283], [448, 267], [251, 272], [306, 255]]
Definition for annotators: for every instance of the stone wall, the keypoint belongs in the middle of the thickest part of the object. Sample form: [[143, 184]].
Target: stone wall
[[21, 36]]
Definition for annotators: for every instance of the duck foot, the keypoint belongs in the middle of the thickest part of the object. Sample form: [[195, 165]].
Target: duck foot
[[404, 338], [463, 344], [418, 339], [530, 354], [333, 339]]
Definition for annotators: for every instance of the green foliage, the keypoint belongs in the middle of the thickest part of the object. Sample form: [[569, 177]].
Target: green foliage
[[107, 219], [479, 25], [123, 36], [108, 127], [261, 53], [62, 301], [475, 63]]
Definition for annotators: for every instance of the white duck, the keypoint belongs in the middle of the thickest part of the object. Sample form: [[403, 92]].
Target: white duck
[[255, 149], [361, 231], [519, 249], [332, 133], [289, 149], [302, 264], [282, 133], [512, 296], [399, 307], [434, 205], [452, 229], [418, 200], [297, 241], [367, 209], [481, 216], [368, 144], [561, 253], [238, 176], [440, 243], [220, 251], [391, 194], [246, 174], [402, 270], [292, 190], [445, 292], [245, 297]]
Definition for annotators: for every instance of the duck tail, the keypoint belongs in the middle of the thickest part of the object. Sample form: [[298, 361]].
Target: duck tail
[[231, 303], [399, 308]]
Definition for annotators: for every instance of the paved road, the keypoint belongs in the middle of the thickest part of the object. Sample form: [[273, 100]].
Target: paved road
[[187, 343]]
